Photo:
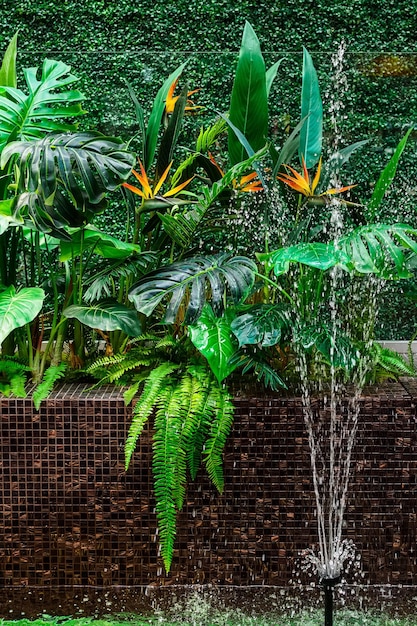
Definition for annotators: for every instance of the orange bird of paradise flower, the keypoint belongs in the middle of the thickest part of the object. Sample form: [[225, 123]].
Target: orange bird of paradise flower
[[302, 184], [146, 192], [246, 183], [171, 99]]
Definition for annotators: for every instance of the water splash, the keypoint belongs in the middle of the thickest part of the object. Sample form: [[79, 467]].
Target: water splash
[[331, 407]]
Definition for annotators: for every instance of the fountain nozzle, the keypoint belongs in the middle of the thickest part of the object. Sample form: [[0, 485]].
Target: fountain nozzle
[[328, 584]]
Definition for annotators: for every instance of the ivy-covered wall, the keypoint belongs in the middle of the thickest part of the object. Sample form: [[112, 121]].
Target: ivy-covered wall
[[107, 43]]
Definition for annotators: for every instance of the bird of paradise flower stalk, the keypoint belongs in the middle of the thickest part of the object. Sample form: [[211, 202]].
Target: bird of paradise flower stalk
[[303, 184], [247, 183], [171, 100]]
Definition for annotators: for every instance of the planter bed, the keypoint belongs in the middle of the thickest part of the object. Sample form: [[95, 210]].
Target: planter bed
[[72, 518]]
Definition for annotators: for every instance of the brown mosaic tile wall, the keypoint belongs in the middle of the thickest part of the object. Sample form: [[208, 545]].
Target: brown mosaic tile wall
[[71, 517]]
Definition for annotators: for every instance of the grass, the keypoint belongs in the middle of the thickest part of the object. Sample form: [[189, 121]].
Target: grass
[[224, 618]]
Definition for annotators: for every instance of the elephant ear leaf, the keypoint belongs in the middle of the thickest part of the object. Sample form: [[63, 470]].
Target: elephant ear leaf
[[212, 337], [106, 316], [312, 110], [188, 282], [249, 101], [8, 66], [17, 308]]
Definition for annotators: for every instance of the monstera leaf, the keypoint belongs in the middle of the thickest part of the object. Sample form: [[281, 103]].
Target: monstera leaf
[[106, 316], [322, 256], [262, 324], [86, 165], [380, 249], [187, 282], [17, 308], [337, 349], [212, 337], [48, 107]]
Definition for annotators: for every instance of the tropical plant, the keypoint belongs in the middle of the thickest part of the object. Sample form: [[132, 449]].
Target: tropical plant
[[192, 417], [53, 181]]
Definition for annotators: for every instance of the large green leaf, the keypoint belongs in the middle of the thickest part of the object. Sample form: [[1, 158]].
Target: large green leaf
[[261, 324], [155, 117], [270, 75], [249, 101], [337, 349], [379, 249], [312, 110], [322, 256], [170, 137], [8, 215], [8, 67], [212, 337], [187, 282], [48, 107], [86, 165], [103, 244], [106, 316], [17, 308], [385, 179], [289, 148]]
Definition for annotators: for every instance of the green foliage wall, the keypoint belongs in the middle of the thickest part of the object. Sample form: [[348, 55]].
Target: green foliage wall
[[106, 42]]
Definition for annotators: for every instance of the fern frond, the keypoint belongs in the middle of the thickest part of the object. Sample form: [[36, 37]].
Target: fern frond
[[130, 393], [104, 362], [388, 364], [167, 341], [164, 465], [145, 404], [182, 227], [207, 138], [13, 377], [221, 425], [51, 375], [200, 415], [263, 371]]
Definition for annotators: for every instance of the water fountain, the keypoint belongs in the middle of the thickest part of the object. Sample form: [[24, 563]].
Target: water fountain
[[332, 423]]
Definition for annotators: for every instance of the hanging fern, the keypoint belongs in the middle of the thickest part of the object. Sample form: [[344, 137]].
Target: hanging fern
[[154, 386], [164, 464], [221, 425], [192, 414]]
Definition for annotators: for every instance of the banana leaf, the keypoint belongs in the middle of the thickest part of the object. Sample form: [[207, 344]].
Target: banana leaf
[[311, 109], [385, 179], [249, 101], [8, 67]]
